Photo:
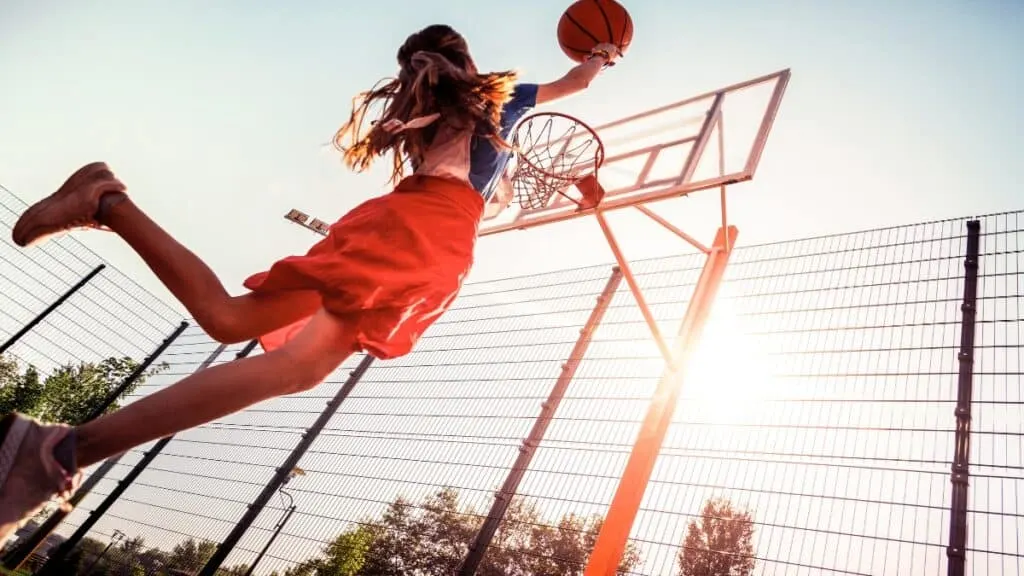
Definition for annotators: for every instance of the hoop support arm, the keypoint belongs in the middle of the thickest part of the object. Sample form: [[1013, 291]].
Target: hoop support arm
[[673, 228], [634, 287]]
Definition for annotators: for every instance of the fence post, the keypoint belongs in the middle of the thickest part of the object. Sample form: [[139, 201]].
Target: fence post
[[23, 550], [503, 498], [56, 303], [957, 550], [136, 374], [53, 563], [281, 476]]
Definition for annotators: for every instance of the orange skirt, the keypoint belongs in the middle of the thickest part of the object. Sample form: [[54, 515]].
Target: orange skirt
[[389, 268]]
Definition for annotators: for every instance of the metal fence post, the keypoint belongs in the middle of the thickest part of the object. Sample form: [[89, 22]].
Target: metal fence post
[[23, 550], [53, 563], [503, 498], [281, 476], [136, 374], [957, 550], [56, 304]]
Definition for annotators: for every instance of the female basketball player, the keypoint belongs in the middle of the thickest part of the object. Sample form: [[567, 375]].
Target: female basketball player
[[387, 270]]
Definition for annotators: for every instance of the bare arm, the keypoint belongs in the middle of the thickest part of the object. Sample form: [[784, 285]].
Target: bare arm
[[580, 77]]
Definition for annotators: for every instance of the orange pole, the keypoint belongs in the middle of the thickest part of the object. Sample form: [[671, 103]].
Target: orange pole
[[611, 541]]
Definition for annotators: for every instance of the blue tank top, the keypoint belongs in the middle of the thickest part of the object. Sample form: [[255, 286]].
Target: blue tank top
[[487, 162]]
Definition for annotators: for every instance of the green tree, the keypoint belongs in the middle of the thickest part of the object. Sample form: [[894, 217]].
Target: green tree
[[346, 555], [83, 556], [19, 392], [526, 544], [432, 539], [189, 556], [70, 393], [721, 545], [126, 557], [153, 562]]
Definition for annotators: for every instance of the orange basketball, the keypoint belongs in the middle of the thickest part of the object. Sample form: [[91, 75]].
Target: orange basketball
[[588, 23]]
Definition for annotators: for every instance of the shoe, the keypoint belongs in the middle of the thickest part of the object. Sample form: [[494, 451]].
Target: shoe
[[74, 205], [30, 473]]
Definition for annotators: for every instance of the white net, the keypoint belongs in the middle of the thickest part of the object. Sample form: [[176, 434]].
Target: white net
[[553, 152]]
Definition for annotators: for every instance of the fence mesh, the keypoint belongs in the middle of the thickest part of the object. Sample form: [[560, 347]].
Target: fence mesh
[[74, 356], [814, 432], [110, 316]]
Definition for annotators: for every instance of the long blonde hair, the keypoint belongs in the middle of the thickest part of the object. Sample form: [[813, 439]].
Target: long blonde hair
[[436, 75]]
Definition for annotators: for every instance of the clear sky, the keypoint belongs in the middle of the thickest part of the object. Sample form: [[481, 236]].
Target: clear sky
[[215, 113]]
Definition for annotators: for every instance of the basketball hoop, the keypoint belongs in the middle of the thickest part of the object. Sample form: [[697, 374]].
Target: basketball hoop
[[554, 152]]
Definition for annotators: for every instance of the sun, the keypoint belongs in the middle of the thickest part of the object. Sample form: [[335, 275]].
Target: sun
[[728, 375]]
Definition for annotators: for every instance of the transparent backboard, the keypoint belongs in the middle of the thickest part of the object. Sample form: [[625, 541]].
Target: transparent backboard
[[703, 142]]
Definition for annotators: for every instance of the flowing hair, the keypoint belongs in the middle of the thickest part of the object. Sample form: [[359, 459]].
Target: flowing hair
[[436, 76]]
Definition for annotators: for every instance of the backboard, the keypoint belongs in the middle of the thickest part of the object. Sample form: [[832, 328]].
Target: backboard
[[711, 140]]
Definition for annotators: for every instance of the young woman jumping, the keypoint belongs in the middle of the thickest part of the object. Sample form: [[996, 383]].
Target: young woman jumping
[[386, 271]]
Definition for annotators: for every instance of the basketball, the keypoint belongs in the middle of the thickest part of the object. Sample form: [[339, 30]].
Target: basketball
[[588, 23]]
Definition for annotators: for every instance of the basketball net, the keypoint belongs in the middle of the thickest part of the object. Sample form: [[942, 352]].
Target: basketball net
[[554, 152]]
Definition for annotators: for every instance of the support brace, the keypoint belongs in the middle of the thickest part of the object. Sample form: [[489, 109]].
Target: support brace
[[612, 539]]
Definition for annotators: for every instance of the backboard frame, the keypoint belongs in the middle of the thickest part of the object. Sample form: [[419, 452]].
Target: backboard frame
[[612, 538], [645, 190]]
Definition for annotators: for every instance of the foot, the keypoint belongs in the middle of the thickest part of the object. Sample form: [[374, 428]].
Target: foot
[[30, 474], [73, 205]]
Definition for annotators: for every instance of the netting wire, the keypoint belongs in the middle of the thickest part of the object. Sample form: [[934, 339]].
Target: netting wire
[[820, 402]]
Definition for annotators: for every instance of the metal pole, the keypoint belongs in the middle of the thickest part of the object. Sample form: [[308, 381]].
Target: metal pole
[[503, 498], [611, 540], [136, 374], [283, 472], [960, 475], [273, 537], [56, 303], [23, 550], [88, 571], [53, 564], [114, 539]]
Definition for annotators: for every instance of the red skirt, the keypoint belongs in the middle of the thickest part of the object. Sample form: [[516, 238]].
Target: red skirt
[[389, 268]]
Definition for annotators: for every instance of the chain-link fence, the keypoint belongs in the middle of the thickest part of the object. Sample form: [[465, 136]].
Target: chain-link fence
[[814, 434]]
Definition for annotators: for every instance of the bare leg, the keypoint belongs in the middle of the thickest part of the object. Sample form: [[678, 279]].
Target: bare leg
[[216, 392], [29, 469], [225, 318], [93, 196]]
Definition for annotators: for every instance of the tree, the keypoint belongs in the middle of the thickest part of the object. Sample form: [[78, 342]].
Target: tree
[[346, 555], [70, 393], [153, 562], [19, 392], [125, 559], [83, 556], [428, 538], [188, 556], [721, 545], [432, 539], [527, 545]]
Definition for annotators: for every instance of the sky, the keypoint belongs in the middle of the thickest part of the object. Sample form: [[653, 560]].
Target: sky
[[216, 114]]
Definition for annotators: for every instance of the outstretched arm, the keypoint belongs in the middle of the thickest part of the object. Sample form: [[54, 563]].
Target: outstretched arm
[[580, 77]]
